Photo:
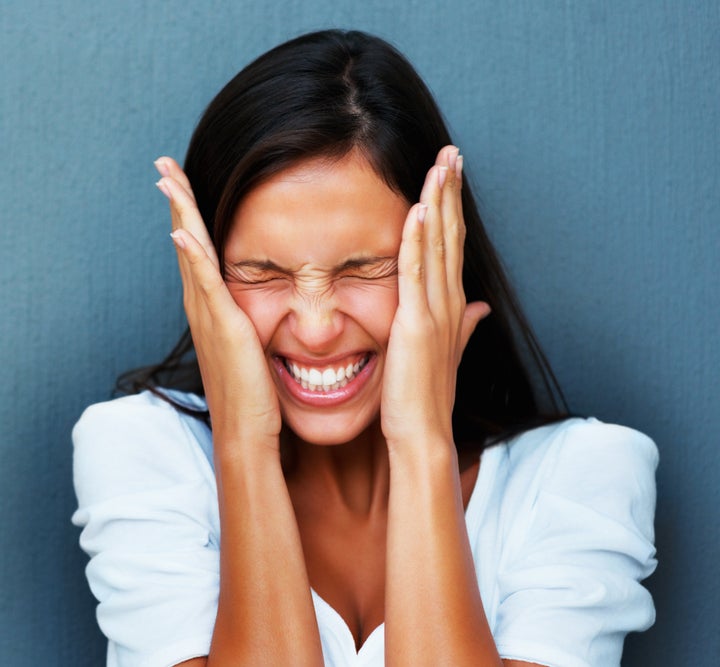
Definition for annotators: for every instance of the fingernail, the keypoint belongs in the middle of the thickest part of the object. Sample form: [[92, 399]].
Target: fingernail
[[459, 166], [162, 186], [422, 210], [178, 240], [162, 167], [452, 157], [442, 175]]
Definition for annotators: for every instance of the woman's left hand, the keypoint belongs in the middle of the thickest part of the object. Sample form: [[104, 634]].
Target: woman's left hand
[[433, 323]]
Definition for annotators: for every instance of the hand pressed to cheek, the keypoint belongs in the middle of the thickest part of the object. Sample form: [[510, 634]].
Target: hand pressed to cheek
[[448, 243], [240, 395], [432, 324]]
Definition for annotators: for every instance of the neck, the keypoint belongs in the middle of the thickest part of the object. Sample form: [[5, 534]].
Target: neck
[[355, 474]]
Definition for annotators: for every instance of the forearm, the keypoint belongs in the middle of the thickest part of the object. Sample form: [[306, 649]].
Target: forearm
[[265, 610], [434, 615], [265, 614]]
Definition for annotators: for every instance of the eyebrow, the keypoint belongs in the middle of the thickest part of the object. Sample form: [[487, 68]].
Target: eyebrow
[[352, 263]]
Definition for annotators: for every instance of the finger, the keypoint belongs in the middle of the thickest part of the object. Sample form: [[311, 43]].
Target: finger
[[444, 154], [411, 278], [453, 222], [474, 312], [450, 156], [166, 166], [434, 240], [200, 271], [452, 227], [185, 215]]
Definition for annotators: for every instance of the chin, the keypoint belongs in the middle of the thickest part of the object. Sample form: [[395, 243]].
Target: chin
[[332, 429]]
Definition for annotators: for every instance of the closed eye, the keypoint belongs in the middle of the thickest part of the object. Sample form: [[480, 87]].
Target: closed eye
[[262, 272], [252, 277], [257, 281], [377, 270], [369, 279]]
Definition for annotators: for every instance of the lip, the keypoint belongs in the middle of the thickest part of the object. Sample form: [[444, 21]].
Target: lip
[[329, 398], [329, 362]]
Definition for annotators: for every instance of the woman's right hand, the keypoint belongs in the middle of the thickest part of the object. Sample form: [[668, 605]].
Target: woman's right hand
[[263, 578], [241, 397]]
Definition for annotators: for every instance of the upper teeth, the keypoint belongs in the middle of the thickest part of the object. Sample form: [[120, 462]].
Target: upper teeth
[[325, 380]]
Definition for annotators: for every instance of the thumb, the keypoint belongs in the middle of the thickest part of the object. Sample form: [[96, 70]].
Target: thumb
[[474, 312]]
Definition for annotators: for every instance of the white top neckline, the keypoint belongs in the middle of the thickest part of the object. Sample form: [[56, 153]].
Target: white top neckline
[[474, 512]]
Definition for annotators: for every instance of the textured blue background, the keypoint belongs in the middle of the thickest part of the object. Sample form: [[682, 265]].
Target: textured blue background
[[590, 129]]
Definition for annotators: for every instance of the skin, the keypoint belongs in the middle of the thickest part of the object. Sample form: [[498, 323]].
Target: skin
[[371, 513]]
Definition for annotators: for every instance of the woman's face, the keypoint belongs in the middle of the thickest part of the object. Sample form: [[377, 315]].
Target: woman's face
[[311, 258]]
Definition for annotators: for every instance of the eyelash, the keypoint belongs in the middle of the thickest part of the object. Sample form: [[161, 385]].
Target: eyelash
[[269, 282], [260, 281], [369, 278], [250, 282]]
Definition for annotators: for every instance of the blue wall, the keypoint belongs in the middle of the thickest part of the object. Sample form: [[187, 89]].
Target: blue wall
[[590, 129]]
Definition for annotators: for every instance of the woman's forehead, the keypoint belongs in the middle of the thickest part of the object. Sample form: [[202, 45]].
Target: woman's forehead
[[321, 207]]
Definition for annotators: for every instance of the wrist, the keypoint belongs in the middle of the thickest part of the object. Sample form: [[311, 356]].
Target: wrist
[[244, 446], [414, 431], [422, 453]]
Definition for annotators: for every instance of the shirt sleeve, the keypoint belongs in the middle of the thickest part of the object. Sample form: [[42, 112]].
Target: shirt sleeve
[[570, 590], [148, 510]]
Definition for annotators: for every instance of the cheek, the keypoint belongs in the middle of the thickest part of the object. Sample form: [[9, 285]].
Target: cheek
[[265, 310], [372, 307]]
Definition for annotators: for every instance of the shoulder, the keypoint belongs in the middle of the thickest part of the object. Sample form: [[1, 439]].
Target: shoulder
[[606, 468], [134, 405], [147, 507], [582, 480], [580, 449], [139, 442], [576, 520]]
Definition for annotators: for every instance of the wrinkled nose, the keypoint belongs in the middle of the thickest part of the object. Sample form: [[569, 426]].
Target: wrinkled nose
[[316, 322]]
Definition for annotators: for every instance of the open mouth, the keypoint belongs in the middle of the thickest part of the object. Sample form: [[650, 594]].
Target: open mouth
[[325, 379]]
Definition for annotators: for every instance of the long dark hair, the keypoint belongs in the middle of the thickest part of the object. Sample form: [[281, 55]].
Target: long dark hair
[[325, 94]]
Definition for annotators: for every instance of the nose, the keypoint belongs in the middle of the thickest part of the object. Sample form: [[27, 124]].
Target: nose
[[316, 322]]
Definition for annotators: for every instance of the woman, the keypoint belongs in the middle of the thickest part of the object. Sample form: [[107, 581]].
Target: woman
[[365, 475]]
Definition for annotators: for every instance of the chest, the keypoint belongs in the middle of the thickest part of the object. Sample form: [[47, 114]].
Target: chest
[[345, 560]]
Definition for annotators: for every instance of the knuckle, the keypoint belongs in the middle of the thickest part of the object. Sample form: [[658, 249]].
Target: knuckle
[[427, 330], [180, 206], [194, 258], [412, 270], [455, 304], [415, 237], [424, 327], [209, 284], [455, 227]]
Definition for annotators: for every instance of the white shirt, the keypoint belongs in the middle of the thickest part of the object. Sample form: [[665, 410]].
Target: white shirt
[[560, 523]]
